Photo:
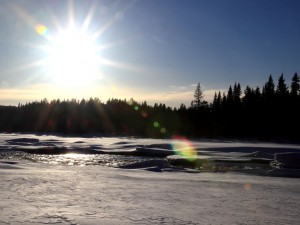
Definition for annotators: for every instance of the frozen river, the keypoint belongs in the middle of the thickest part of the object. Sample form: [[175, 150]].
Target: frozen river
[[136, 184]]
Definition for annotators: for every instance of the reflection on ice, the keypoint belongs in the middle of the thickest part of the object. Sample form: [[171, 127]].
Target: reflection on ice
[[73, 156], [74, 159]]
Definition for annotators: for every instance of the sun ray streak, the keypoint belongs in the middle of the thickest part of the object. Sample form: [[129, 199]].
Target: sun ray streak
[[71, 13], [23, 15], [55, 20], [122, 65], [103, 28], [88, 18], [114, 19], [114, 44], [26, 66]]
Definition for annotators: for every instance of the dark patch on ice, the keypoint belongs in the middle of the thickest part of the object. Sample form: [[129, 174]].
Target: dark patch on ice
[[122, 143], [55, 150], [23, 140], [269, 150], [160, 163], [9, 165], [54, 140], [94, 147], [49, 144], [290, 160], [157, 165], [79, 142], [9, 162], [153, 152], [219, 164], [128, 146], [159, 146], [284, 172], [259, 154]]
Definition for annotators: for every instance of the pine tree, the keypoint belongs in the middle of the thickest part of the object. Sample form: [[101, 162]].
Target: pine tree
[[219, 100], [198, 97], [269, 88], [224, 99], [230, 94], [214, 104], [282, 90], [257, 92], [295, 86], [248, 94], [237, 93], [182, 107]]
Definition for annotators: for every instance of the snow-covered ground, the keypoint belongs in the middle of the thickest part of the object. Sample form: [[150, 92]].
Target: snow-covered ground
[[132, 185]]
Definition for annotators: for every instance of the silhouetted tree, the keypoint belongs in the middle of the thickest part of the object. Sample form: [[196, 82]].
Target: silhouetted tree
[[230, 95], [224, 99], [217, 101], [295, 85], [182, 107], [282, 90], [269, 88], [257, 93], [237, 93], [248, 95], [214, 100], [198, 98]]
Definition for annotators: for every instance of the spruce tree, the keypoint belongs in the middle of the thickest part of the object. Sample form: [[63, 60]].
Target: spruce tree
[[269, 88], [257, 92], [237, 93], [282, 90], [224, 98], [248, 95], [198, 97], [295, 86], [219, 100], [214, 104], [230, 95]]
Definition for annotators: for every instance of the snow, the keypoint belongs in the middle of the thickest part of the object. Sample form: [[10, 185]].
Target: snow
[[33, 193], [132, 189]]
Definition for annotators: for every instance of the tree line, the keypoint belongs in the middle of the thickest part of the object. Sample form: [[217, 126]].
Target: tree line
[[268, 113]]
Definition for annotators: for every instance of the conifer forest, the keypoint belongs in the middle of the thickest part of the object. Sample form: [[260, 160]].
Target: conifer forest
[[267, 113]]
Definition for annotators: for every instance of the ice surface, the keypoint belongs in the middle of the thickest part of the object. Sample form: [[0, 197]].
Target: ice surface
[[207, 155], [35, 193], [115, 180]]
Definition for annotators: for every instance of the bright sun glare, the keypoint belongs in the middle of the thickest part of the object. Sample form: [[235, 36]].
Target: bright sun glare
[[72, 57], [72, 61]]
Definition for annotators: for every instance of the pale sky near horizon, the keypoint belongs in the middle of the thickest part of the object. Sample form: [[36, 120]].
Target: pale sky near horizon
[[148, 50]]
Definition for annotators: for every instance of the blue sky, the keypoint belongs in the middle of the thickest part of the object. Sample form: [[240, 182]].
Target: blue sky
[[150, 50]]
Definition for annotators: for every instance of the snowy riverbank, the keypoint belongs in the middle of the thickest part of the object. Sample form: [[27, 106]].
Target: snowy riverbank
[[49, 180], [35, 193]]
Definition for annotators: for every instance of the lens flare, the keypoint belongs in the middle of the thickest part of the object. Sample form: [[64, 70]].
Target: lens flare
[[144, 114], [183, 147], [247, 186], [163, 130], [156, 124], [41, 29]]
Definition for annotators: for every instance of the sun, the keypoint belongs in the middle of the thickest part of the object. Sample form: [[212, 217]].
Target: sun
[[72, 57]]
